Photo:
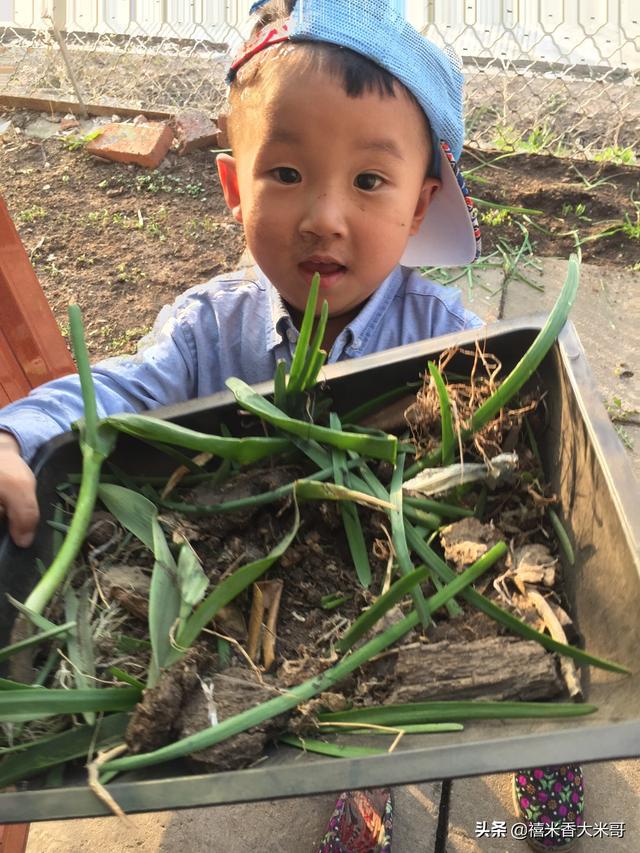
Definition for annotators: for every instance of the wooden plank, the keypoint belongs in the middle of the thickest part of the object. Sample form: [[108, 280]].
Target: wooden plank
[[48, 105], [13, 837], [13, 382], [4, 396], [27, 322]]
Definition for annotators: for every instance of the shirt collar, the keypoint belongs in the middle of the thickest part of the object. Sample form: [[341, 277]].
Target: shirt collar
[[278, 323], [352, 340]]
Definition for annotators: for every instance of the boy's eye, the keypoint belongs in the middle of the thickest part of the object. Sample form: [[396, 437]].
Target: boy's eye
[[367, 181], [287, 175]]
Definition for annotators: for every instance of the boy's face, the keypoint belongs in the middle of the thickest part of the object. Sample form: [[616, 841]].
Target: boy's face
[[328, 183]]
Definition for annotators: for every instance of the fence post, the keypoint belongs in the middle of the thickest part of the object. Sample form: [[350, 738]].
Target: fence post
[[417, 12], [58, 12]]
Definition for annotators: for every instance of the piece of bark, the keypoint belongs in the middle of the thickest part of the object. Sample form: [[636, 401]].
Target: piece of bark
[[493, 668], [228, 693]]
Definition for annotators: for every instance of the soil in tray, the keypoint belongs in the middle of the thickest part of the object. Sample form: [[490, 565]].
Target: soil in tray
[[298, 610]]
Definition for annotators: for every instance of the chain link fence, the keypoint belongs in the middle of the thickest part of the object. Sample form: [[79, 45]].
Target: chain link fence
[[553, 75]]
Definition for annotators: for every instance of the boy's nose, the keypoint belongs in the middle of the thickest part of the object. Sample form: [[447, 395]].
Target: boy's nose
[[324, 215]]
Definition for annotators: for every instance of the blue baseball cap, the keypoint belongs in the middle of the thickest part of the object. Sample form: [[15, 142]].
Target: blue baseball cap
[[449, 234]]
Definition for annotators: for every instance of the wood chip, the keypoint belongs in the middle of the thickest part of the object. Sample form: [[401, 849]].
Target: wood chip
[[568, 668]]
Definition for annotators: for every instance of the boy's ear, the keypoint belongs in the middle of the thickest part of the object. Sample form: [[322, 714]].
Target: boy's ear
[[229, 179], [429, 187]]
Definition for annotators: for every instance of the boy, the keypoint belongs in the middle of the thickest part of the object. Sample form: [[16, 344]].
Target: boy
[[338, 168]]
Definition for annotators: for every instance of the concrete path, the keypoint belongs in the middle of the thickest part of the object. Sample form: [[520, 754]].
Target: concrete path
[[606, 315]]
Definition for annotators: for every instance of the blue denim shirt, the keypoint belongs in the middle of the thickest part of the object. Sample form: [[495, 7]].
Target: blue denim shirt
[[234, 325]]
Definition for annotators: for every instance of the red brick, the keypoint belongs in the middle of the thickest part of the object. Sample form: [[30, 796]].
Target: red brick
[[194, 129], [68, 123], [144, 144]]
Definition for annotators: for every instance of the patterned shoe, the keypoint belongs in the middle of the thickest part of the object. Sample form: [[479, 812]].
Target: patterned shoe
[[550, 800], [361, 823]]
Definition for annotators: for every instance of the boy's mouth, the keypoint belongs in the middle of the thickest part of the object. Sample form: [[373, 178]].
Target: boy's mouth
[[329, 270]]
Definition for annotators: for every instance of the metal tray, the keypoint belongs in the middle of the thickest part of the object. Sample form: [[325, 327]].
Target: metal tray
[[588, 469]]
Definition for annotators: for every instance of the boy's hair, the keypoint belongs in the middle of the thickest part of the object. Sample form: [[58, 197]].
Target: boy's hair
[[358, 74]]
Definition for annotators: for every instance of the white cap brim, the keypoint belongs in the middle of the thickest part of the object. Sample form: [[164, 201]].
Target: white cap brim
[[446, 237]]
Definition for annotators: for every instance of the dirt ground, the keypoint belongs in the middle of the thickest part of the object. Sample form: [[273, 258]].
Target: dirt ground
[[122, 241]]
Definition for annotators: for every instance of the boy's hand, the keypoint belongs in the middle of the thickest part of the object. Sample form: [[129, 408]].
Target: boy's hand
[[17, 492]]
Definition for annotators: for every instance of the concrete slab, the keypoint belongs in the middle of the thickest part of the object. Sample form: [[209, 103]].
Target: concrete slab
[[41, 128], [606, 315], [288, 826], [293, 826]]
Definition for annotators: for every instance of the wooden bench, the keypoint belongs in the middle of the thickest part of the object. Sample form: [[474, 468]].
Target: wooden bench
[[32, 351]]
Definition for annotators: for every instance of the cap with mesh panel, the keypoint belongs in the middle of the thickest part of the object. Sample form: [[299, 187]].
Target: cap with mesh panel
[[449, 234]]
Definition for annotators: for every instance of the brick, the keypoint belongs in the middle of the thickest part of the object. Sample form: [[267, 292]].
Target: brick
[[194, 129], [144, 144], [69, 122]]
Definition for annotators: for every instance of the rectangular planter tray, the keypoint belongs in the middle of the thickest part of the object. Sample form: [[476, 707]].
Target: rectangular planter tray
[[590, 472]]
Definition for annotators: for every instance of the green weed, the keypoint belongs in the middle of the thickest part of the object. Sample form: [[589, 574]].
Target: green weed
[[156, 182], [591, 185], [575, 210], [31, 214], [128, 275], [73, 143], [52, 270], [195, 189], [616, 154], [122, 219], [123, 341], [632, 229], [156, 231], [495, 217], [539, 140], [207, 223], [153, 183], [98, 217], [620, 415], [119, 219]]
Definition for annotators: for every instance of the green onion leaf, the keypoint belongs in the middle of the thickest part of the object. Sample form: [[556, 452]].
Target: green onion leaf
[[37, 704], [378, 448], [452, 710], [241, 450], [448, 438], [336, 750]]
